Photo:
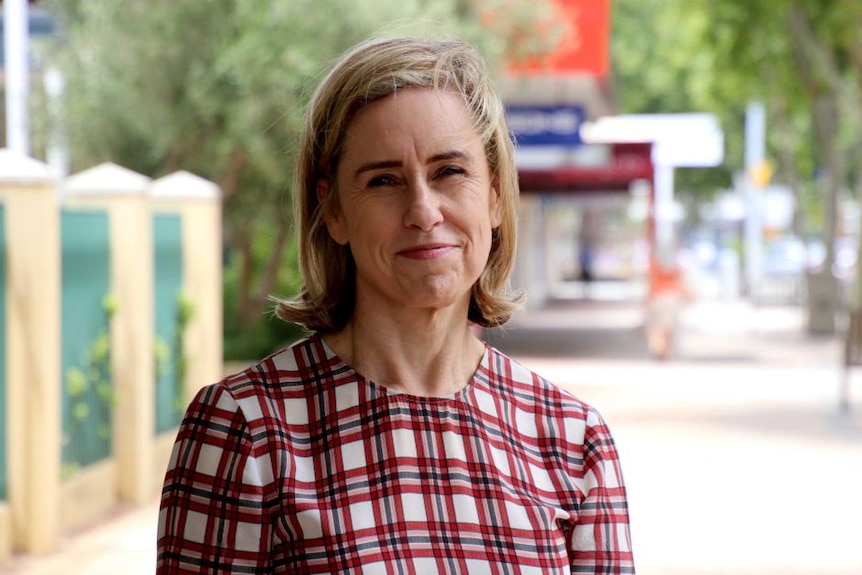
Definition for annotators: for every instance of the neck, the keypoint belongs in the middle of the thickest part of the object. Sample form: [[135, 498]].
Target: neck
[[435, 355]]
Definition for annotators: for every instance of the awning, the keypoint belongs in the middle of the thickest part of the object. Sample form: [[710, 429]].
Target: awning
[[627, 162]]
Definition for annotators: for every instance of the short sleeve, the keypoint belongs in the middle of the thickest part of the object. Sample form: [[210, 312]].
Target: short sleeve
[[600, 540], [212, 517]]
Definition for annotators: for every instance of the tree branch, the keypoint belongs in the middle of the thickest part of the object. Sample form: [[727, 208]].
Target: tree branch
[[229, 181], [270, 275]]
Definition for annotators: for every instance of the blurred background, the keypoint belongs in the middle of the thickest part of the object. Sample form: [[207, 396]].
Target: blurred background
[[718, 137]]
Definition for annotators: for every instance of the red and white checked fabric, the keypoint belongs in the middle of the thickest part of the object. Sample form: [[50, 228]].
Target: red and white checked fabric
[[301, 465]]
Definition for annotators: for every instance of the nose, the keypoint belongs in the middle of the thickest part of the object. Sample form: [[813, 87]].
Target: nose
[[423, 206]]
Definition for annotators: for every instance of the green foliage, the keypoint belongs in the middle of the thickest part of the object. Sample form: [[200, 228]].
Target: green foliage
[[662, 63], [185, 313], [259, 339], [90, 385], [719, 55], [173, 357], [268, 333], [163, 357]]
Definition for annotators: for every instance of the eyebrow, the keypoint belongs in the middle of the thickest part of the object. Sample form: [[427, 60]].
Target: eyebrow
[[442, 156]]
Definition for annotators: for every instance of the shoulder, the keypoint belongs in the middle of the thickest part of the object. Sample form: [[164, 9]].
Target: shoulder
[[287, 364], [538, 402], [286, 371], [527, 387], [274, 386]]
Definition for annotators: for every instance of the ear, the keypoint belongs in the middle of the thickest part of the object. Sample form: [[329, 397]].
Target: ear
[[332, 215], [495, 205]]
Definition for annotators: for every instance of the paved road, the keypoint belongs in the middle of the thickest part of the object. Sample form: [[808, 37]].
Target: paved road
[[736, 457]]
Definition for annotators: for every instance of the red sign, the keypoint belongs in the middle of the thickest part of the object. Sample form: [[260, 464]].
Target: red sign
[[583, 48]]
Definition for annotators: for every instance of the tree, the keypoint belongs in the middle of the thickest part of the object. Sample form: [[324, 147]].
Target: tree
[[802, 58], [216, 87], [661, 62]]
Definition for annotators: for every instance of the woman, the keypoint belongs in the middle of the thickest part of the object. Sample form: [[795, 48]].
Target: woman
[[392, 440]]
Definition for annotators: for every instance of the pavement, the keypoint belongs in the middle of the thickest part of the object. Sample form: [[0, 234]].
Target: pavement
[[736, 456]]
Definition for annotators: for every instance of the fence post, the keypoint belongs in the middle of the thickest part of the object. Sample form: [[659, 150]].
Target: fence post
[[123, 193], [198, 201], [33, 414]]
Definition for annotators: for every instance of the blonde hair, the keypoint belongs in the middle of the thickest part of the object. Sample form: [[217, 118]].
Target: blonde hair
[[369, 72]]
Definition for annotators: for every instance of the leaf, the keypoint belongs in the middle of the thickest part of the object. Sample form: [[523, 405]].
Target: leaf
[[76, 382], [80, 411]]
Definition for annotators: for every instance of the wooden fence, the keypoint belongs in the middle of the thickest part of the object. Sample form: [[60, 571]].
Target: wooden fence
[[110, 319]]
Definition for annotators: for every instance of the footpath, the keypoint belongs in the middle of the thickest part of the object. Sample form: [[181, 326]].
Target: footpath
[[736, 457]]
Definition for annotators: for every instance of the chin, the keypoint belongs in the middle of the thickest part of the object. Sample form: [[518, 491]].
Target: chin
[[441, 301], [443, 287]]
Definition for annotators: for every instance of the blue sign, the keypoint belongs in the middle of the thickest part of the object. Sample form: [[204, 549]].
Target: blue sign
[[545, 125]]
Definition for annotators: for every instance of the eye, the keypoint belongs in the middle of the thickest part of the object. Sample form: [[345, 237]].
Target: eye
[[381, 180], [450, 171]]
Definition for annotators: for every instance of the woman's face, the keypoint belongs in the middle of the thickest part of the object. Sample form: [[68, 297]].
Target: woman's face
[[416, 202]]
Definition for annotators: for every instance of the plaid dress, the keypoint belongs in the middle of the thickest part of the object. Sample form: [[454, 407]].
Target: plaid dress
[[301, 465]]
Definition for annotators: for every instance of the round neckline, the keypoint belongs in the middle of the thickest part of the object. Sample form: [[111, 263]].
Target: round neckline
[[484, 362]]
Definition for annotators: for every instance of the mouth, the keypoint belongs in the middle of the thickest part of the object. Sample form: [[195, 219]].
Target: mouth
[[426, 251]]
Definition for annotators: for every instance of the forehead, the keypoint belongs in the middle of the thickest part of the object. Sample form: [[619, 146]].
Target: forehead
[[423, 116]]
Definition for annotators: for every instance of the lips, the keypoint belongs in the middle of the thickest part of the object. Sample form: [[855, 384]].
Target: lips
[[426, 251]]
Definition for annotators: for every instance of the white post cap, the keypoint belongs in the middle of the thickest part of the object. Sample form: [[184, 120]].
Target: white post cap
[[184, 185], [107, 179], [18, 168]]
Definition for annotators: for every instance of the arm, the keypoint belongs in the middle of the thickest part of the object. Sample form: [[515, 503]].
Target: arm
[[212, 517], [600, 541]]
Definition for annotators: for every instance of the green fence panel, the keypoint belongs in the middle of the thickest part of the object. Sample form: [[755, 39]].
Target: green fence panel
[[88, 387], [4, 474], [168, 277]]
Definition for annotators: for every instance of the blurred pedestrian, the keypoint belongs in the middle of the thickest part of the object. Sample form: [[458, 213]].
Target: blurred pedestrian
[[587, 240], [585, 262], [667, 295], [391, 439]]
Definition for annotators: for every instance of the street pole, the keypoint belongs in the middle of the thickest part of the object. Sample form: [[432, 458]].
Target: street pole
[[16, 63], [664, 217], [755, 155]]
